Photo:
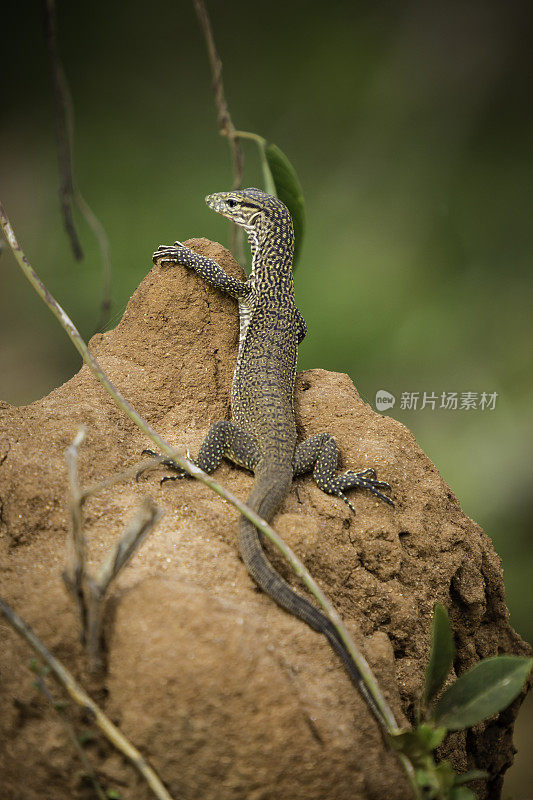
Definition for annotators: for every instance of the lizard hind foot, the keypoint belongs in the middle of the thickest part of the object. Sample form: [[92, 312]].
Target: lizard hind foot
[[376, 487], [181, 474], [366, 479], [370, 473], [167, 462], [350, 506]]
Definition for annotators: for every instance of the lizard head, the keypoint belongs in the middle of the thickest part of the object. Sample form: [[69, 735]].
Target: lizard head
[[261, 215]]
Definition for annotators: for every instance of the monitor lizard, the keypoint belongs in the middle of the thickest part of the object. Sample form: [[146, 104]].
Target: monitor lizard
[[262, 433]]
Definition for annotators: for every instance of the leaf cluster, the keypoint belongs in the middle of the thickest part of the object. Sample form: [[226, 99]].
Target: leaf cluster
[[485, 690]]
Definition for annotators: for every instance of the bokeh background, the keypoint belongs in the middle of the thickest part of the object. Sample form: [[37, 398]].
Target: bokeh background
[[411, 127]]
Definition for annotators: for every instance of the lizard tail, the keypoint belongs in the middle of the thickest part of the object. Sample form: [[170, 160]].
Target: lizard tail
[[267, 494]]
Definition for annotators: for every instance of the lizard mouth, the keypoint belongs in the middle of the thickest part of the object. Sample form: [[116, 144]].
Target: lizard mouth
[[233, 207], [216, 203], [211, 201]]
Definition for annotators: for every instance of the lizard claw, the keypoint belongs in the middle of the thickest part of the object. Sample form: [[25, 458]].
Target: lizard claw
[[164, 253], [171, 253], [365, 479], [375, 486], [145, 453], [366, 473], [343, 497], [176, 477], [167, 462]]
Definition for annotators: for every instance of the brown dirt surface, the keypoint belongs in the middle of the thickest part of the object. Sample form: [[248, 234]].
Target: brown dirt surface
[[226, 695]]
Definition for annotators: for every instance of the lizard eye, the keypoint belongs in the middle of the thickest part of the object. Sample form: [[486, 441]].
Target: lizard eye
[[231, 203]]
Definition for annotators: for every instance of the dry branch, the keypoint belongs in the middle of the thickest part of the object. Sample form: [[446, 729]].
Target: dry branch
[[69, 195], [75, 574], [146, 518], [63, 125], [88, 591], [225, 123]]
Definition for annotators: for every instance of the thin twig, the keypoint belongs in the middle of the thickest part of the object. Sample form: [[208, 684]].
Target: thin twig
[[261, 143], [63, 125], [76, 498], [387, 721], [105, 254], [89, 592], [225, 123], [75, 574], [69, 195], [72, 736], [131, 472], [146, 518], [144, 521], [110, 731]]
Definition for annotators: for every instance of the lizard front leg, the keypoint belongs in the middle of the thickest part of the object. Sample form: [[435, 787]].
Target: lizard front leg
[[209, 270], [301, 327], [319, 453]]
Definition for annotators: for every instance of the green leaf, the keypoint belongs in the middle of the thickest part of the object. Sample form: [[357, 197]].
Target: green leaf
[[281, 181], [428, 782], [112, 794], [441, 655], [446, 777], [419, 742], [462, 793], [434, 737], [473, 775], [481, 692], [288, 189]]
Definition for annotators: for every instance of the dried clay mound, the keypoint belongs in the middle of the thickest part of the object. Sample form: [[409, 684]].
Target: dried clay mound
[[227, 695]]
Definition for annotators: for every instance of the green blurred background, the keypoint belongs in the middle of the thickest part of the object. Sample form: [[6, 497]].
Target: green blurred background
[[410, 126]]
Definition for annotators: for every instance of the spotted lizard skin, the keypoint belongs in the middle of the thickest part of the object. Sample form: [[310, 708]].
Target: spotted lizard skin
[[261, 435]]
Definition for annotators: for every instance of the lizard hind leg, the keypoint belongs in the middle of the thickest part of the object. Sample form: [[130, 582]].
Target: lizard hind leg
[[319, 453], [227, 440], [224, 440]]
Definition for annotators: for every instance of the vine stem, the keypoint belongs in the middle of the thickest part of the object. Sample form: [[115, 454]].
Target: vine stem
[[225, 123], [68, 191], [261, 143], [386, 719]]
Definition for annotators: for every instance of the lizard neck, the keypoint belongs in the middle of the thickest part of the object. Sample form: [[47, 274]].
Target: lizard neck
[[272, 253]]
